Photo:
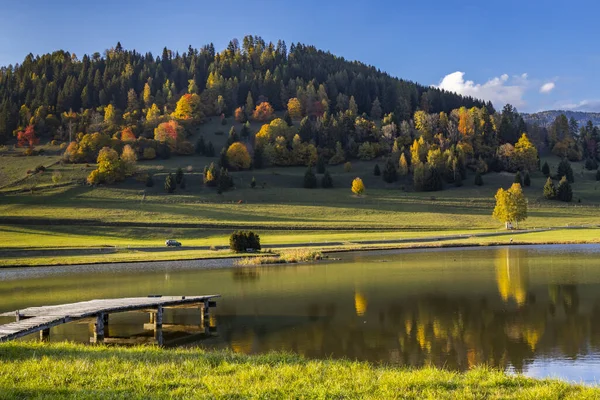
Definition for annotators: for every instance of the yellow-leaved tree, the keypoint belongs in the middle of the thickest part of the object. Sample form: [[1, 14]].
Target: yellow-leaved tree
[[511, 206], [294, 108], [128, 160], [358, 187], [238, 156], [525, 154]]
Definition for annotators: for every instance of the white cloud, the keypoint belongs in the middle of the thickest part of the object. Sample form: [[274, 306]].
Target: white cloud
[[547, 87], [584, 105], [499, 90]]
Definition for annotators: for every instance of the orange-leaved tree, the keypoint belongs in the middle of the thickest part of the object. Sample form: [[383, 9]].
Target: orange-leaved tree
[[27, 137], [263, 112], [170, 132]]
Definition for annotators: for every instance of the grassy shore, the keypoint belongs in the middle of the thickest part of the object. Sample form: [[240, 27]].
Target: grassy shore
[[78, 371]]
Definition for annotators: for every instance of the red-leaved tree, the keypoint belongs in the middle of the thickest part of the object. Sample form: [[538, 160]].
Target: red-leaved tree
[[27, 138]]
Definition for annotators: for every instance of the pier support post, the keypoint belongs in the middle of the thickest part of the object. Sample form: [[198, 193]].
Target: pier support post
[[44, 335], [158, 318], [99, 328]]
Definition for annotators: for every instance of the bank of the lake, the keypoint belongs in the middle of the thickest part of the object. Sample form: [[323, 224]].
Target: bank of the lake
[[39, 257], [30, 370]]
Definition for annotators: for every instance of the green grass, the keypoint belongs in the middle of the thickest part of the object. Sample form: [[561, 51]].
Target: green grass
[[77, 371]]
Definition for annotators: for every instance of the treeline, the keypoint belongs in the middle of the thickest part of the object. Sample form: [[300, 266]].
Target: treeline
[[61, 95]]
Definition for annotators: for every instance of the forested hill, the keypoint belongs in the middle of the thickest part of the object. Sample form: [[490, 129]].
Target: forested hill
[[46, 91], [545, 118]]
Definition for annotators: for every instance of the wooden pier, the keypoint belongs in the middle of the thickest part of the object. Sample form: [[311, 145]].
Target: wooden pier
[[41, 319]]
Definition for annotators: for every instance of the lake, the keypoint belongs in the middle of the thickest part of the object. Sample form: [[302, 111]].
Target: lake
[[527, 309]]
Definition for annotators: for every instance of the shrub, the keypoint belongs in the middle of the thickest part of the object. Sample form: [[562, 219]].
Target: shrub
[[56, 177], [253, 183], [94, 177], [149, 153], [348, 166], [182, 183], [170, 184], [564, 169], [224, 121], [310, 179], [591, 164], [478, 179], [240, 241], [564, 192], [179, 175], [549, 189], [376, 170], [149, 181], [40, 168], [546, 169], [326, 181]]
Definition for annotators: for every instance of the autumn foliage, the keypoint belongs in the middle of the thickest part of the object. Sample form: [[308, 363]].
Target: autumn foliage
[[240, 115], [263, 112], [358, 187], [238, 156], [170, 132], [127, 135], [27, 137]]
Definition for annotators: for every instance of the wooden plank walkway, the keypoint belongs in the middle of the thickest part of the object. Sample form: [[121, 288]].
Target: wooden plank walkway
[[41, 319]]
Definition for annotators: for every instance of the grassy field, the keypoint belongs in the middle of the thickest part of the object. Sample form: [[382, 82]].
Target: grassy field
[[76, 371], [36, 214]]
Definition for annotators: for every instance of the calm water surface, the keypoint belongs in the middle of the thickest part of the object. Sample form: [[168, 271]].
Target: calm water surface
[[533, 310]]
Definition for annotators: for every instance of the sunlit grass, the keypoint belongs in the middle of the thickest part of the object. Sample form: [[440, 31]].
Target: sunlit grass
[[76, 371]]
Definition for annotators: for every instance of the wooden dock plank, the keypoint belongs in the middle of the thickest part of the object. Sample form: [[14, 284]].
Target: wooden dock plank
[[43, 318]]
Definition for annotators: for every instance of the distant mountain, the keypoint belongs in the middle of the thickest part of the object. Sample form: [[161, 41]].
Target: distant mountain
[[545, 118]]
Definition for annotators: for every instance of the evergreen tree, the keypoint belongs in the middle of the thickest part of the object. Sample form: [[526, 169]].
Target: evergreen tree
[[527, 179], [245, 131], [253, 183], [376, 170], [320, 165], [225, 181], [598, 175], [178, 175], [591, 164], [257, 158], [288, 119], [170, 184], [518, 178], [223, 163], [210, 150], [149, 181], [546, 169], [478, 179], [182, 183], [389, 173], [233, 137], [201, 146], [564, 192], [326, 181], [564, 169], [310, 179], [549, 189]]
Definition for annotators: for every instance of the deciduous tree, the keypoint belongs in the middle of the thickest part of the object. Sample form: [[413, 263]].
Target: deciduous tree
[[238, 157], [358, 187]]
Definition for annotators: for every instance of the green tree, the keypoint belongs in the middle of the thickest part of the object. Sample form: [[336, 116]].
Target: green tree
[[253, 183], [376, 109], [201, 146], [179, 175], [426, 178], [376, 170], [546, 169], [321, 165], [310, 179], [389, 173], [170, 184], [149, 181], [518, 178], [549, 189], [527, 179], [326, 181], [598, 175], [478, 179], [564, 192], [564, 169]]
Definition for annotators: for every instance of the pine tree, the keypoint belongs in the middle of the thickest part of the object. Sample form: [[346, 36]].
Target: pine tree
[[210, 150], [179, 175], [253, 183], [326, 181], [478, 179], [598, 175], [182, 183], [549, 189], [320, 165], [389, 173], [546, 169], [376, 170], [527, 179], [170, 184], [564, 192], [310, 179], [149, 181], [564, 169], [201, 146], [518, 178], [257, 158]]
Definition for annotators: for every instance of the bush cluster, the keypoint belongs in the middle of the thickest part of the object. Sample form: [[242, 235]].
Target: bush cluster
[[240, 241]]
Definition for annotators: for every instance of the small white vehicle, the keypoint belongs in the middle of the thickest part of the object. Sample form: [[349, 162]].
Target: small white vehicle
[[172, 243]]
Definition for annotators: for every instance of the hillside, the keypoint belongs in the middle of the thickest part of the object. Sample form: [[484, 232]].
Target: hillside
[[546, 118]]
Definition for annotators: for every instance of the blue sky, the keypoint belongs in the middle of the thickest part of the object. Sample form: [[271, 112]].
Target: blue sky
[[534, 54]]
